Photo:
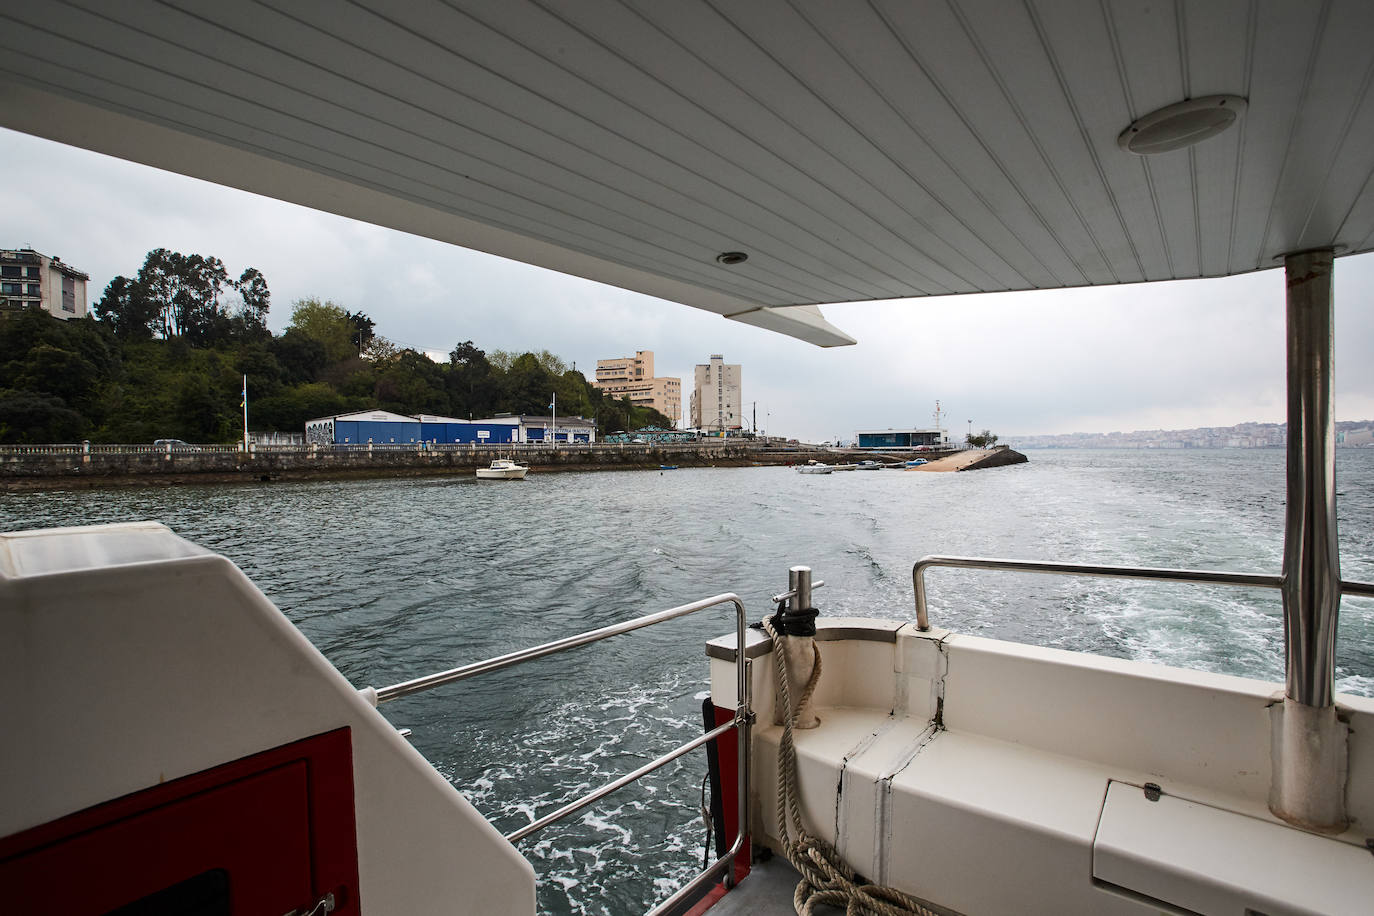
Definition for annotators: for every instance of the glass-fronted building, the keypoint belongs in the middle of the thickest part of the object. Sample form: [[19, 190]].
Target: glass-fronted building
[[900, 438]]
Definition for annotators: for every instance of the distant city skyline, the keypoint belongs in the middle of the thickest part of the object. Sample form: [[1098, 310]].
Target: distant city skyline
[[1155, 355], [1349, 433]]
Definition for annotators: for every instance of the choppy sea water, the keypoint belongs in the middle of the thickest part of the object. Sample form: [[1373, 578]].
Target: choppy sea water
[[392, 579]]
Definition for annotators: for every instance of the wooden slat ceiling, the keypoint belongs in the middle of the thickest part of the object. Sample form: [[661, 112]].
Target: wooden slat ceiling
[[855, 151]]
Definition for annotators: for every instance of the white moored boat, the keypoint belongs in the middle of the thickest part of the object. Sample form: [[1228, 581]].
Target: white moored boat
[[503, 469], [815, 467], [168, 731]]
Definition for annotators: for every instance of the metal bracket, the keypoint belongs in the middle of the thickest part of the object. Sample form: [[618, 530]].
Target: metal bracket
[[325, 905]]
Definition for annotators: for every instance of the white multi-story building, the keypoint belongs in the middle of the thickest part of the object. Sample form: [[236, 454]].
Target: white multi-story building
[[717, 404], [28, 278]]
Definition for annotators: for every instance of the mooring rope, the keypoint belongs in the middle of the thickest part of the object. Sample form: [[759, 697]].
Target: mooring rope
[[826, 879]]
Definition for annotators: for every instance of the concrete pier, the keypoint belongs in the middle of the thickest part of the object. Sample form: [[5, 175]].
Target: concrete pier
[[77, 466], [974, 459], [36, 467]]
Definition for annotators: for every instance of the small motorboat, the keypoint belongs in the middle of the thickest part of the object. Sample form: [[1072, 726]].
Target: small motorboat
[[846, 467], [503, 469], [816, 468], [667, 467], [868, 464]]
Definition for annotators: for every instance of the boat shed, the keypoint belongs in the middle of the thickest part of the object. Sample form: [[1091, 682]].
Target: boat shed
[[451, 431], [569, 429], [899, 438], [381, 427]]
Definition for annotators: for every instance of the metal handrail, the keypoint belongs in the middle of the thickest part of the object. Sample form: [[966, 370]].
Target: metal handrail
[[1194, 576], [742, 721], [789, 595], [1363, 589], [1201, 576], [440, 678]]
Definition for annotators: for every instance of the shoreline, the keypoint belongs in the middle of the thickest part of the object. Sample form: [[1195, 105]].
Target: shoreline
[[39, 468], [105, 481]]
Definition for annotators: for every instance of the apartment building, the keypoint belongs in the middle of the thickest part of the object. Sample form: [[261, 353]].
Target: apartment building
[[633, 377], [717, 404], [28, 278]]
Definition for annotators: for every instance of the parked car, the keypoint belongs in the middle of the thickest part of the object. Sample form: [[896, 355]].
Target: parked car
[[176, 445]]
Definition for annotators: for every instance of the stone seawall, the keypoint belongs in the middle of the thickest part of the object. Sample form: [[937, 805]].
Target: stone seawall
[[1000, 456], [975, 459], [36, 467]]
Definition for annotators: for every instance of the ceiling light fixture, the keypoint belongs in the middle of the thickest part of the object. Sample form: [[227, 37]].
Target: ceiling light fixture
[[1181, 124], [732, 257]]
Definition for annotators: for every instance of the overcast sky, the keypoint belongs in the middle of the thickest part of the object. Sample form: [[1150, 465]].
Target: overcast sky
[[1164, 355]]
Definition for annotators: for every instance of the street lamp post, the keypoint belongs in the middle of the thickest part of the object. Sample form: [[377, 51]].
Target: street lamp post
[[969, 440]]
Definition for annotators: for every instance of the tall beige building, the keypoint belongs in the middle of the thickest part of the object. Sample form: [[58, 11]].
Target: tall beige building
[[28, 278], [633, 377], [716, 399]]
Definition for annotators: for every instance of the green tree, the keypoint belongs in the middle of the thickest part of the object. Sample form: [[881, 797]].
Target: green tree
[[471, 382], [302, 358], [27, 417], [185, 290], [127, 310], [290, 408], [528, 386], [197, 312], [72, 361], [257, 300], [985, 439], [327, 324], [411, 383], [363, 330]]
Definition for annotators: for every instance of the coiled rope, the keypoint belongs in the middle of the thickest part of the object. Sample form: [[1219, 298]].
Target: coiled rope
[[826, 879]]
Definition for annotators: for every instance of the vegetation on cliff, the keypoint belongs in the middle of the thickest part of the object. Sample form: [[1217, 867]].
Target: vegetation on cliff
[[165, 353]]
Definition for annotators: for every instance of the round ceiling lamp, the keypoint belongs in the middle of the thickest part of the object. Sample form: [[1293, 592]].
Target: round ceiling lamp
[[732, 257], [1181, 124]]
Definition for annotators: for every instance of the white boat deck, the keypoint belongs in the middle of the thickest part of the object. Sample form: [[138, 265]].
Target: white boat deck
[[1050, 801]]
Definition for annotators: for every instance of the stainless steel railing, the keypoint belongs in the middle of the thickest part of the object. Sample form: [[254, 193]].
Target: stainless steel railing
[[1194, 576], [742, 721]]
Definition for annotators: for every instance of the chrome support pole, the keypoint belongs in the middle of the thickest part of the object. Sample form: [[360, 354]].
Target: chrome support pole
[[1309, 747], [1311, 561], [799, 584], [744, 717], [800, 653]]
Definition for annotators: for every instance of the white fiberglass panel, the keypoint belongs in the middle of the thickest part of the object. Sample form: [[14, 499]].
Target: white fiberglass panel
[[59, 550], [1208, 860], [130, 657]]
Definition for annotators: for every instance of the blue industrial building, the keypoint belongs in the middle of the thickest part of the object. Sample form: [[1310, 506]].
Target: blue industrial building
[[381, 427], [450, 431], [377, 426]]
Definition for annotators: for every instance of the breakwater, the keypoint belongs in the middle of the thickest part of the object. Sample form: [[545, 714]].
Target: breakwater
[[40, 466], [25, 467]]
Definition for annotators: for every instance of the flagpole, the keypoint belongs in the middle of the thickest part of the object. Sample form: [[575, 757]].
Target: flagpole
[[245, 413], [553, 405]]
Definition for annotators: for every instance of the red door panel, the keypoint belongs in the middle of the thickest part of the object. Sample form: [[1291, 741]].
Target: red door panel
[[279, 825]]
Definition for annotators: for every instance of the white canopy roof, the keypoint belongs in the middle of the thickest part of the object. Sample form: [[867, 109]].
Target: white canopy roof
[[853, 151]]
